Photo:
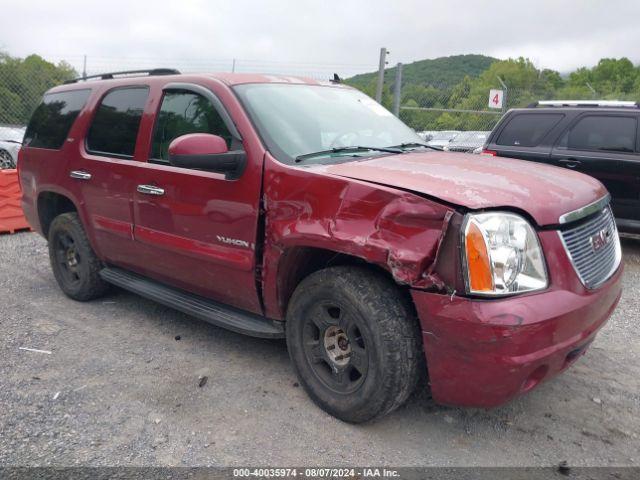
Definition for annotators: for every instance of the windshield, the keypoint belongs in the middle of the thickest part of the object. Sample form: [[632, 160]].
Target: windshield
[[296, 120]]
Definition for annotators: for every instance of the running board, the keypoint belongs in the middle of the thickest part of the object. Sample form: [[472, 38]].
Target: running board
[[208, 310]]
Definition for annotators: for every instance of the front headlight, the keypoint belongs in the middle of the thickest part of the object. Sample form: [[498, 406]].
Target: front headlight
[[502, 255]]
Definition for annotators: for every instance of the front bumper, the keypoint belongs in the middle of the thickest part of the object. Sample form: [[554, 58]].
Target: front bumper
[[482, 353]]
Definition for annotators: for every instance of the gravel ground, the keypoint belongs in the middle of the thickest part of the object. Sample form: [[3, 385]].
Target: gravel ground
[[121, 387]]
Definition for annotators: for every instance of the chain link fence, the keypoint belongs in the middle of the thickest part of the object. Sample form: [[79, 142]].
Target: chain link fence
[[454, 108], [459, 107], [460, 118], [23, 81], [429, 109]]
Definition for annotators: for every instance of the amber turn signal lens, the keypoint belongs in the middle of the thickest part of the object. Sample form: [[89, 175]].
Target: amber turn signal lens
[[478, 264]]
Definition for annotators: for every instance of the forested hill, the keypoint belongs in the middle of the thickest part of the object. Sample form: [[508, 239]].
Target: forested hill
[[436, 72]]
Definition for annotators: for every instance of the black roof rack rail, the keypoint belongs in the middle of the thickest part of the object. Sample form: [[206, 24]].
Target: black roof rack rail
[[110, 75], [585, 103]]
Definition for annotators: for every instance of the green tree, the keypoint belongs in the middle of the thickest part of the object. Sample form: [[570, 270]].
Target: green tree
[[611, 78], [611, 75], [22, 83]]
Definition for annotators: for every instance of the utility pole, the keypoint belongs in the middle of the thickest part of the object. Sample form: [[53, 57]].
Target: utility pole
[[84, 67], [233, 66], [397, 90], [383, 62]]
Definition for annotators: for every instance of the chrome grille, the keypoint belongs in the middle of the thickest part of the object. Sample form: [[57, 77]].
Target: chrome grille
[[594, 248]]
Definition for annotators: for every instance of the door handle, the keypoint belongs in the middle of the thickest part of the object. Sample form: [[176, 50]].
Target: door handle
[[570, 162], [150, 190], [80, 175]]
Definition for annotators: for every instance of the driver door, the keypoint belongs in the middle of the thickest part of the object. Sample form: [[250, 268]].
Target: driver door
[[195, 229]]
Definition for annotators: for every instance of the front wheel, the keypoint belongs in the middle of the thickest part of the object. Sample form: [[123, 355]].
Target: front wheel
[[354, 342]]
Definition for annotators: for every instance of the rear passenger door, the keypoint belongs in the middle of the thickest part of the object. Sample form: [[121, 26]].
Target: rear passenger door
[[605, 147], [104, 172], [49, 146], [198, 231]]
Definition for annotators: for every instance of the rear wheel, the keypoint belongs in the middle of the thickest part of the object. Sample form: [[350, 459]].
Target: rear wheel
[[354, 342], [75, 265]]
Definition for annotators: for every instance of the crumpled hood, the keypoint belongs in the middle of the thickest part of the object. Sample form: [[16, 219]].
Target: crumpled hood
[[479, 181]]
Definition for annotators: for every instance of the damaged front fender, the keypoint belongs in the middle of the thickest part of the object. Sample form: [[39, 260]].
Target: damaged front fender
[[400, 231]]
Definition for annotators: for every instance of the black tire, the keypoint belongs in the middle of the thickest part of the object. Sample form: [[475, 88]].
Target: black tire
[[382, 341], [73, 261]]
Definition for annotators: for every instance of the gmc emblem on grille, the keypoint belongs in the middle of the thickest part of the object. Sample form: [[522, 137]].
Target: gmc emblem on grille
[[600, 239]]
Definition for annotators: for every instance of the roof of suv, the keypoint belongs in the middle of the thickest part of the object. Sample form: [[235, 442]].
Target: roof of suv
[[162, 75], [576, 110], [584, 105]]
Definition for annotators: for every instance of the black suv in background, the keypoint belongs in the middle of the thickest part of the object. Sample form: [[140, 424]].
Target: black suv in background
[[599, 138]]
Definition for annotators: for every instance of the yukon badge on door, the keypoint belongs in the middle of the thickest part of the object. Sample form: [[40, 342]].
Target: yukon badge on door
[[233, 241]]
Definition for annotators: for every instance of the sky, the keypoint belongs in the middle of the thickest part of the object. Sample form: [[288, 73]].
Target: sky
[[310, 36]]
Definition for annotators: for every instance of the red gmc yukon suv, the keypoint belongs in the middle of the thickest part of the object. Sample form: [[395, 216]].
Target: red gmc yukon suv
[[285, 207]]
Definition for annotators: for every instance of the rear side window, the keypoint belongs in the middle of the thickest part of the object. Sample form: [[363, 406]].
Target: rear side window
[[527, 130], [600, 132], [52, 120], [184, 112], [115, 126]]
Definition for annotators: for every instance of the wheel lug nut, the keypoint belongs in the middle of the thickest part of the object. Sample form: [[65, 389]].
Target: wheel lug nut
[[331, 347]]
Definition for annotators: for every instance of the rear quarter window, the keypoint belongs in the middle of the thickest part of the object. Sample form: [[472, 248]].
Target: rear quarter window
[[602, 132], [52, 120], [114, 129], [527, 130]]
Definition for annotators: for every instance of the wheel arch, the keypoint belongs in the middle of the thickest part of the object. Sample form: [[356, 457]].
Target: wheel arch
[[297, 263], [50, 204]]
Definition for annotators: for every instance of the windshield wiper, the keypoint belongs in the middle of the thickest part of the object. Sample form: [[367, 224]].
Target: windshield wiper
[[415, 145], [303, 157], [11, 141]]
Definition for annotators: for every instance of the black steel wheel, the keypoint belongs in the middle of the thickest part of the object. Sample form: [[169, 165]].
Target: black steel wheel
[[68, 259], [354, 341], [335, 347], [74, 264]]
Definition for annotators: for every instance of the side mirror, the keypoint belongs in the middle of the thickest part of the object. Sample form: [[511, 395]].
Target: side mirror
[[203, 151]]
